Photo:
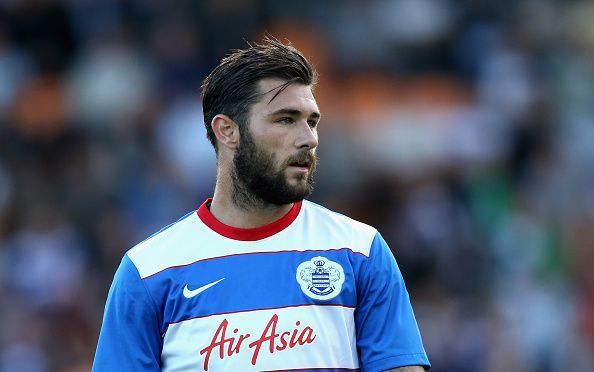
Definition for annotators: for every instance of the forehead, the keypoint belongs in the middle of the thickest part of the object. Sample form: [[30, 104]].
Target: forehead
[[295, 96]]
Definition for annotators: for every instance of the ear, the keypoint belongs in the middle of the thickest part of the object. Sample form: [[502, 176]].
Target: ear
[[226, 131]]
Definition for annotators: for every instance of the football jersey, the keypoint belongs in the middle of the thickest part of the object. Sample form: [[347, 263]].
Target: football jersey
[[314, 290]]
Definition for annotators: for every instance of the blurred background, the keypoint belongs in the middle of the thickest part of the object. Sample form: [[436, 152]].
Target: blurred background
[[462, 130]]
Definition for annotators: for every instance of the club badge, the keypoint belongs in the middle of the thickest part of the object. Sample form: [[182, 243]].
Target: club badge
[[320, 278]]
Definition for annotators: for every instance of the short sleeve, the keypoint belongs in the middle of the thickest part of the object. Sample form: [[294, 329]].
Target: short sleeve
[[129, 339], [387, 331]]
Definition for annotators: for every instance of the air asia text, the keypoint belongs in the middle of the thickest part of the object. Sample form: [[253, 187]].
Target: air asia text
[[225, 344]]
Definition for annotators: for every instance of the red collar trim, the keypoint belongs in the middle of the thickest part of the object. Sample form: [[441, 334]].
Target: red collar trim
[[238, 233]]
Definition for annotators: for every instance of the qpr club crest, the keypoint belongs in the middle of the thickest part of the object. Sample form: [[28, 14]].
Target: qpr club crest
[[320, 278]]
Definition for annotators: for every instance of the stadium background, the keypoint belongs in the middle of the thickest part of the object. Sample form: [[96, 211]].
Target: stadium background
[[463, 130]]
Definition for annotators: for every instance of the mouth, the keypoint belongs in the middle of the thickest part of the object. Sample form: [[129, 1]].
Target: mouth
[[299, 168], [303, 163]]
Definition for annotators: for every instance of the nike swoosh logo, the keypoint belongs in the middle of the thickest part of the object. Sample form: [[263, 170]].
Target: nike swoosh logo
[[191, 293]]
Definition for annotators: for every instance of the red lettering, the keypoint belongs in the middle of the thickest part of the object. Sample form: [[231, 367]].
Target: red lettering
[[283, 341], [271, 326], [230, 345], [293, 341], [239, 342], [307, 336], [216, 342]]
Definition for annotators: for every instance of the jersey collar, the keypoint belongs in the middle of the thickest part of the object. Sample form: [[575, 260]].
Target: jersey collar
[[238, 233]]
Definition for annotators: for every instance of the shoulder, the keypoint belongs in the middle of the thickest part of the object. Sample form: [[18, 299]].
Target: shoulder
[[153, 253], [327, 222], [327, 216]]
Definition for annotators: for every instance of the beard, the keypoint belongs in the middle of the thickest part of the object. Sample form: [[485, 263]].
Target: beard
[[258, 181]]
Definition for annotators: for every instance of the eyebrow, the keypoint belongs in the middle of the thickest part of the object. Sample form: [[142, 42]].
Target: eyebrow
[[293, 112]]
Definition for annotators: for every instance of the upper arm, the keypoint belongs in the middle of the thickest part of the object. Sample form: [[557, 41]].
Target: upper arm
[[387, 331], [130, 338], [408, 369]]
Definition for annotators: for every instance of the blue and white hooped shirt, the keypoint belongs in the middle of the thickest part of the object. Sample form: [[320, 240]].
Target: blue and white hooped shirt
[[314, 290]]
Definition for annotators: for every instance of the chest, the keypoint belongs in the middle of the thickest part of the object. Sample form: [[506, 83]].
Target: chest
[[261, 312]]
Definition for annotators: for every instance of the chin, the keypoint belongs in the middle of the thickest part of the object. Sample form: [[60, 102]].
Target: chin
[[300, 188], [302, 191], [296, 180]]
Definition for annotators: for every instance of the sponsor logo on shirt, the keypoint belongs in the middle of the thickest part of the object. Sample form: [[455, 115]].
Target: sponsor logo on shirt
[[228, 341], [320, 278]]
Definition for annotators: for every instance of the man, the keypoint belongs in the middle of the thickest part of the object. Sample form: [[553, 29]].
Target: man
[[258, 278]]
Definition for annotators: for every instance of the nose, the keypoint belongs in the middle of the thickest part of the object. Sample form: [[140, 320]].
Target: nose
[[308, 136]]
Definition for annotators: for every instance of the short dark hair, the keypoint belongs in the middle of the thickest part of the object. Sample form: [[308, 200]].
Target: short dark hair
[[231, 88]]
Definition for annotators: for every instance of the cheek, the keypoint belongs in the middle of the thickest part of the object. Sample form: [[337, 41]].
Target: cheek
[[275, 149], [271, 156]]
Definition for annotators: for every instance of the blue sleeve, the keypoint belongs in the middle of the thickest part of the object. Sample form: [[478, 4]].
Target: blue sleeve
[[129, 339], [387, 331]]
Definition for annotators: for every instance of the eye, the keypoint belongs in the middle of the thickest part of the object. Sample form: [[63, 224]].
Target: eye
[[285, 120], [312, 123]]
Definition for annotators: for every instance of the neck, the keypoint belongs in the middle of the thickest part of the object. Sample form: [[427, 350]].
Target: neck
[[244, 211]]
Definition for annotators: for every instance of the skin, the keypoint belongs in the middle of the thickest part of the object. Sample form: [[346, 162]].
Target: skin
[[284, 126], [409, 369]]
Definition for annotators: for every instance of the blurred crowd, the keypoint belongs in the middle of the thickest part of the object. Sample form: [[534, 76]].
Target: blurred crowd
[[462, 130]]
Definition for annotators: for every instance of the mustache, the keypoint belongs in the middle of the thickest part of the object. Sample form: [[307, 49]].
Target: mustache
[[308, 157]]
